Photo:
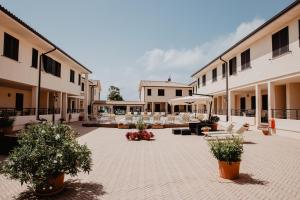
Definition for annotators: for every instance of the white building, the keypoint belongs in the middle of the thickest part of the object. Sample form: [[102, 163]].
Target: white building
[[156, 95], [263, 74], [22, 51]]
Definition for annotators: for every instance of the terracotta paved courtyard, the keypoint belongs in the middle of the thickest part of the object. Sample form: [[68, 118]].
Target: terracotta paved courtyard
[[177, 167]]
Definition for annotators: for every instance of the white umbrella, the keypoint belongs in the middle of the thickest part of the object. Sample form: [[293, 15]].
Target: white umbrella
[[190, 100]]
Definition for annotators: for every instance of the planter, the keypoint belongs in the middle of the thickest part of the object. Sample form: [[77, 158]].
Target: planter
[[247, 128], [8, 130], [157, 126], [80, 118], [229, 170], [266, 131], [54, 186], [214, 127], [123, 126]]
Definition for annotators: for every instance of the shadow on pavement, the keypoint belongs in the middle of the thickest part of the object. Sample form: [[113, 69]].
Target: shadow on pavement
[[74, 189], [247, 179]]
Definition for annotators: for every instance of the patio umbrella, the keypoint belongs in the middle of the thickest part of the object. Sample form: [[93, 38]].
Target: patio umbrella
[[195, 99]]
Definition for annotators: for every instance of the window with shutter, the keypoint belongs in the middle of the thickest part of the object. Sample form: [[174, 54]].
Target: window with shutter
[[51, 66], [149, 91], [280, 42], [34, 59], [245, 59], [72, 75], [178, 93], [79, 79], [161, 92], [232, 66], [214, 74], [224, 70], [203, 80], [11, 47]]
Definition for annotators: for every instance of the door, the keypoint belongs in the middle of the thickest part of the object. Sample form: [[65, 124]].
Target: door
[[157, 108], [242, 105], [19, 101], [253, 102], [264, 107]]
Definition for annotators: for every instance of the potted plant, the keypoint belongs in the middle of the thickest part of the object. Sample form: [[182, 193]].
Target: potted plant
[[246, 125], [214, 122], [45, 154], [140, 125], [228, 153], [123, 126], [266, 131], [205, 129], [6, 124]]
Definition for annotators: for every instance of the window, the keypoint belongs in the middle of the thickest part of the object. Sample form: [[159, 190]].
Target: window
[[161, 92], [11, 47], [245, 59], [51, 66], [34, 59], [299, 31], [82, 86], [203, 80], [280, 42], [253, 102], [224, 70], [191, 92], [149, 91], [178, 93], [72, 75], [232, 66], [79, 79], [214, 74], [198, 82]]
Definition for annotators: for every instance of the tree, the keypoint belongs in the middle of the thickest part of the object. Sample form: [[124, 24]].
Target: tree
[[114, 94]]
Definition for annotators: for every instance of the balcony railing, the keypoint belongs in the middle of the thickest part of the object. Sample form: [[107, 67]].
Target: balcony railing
[[286, 114], [203, 111], [242, 112], [48, 111], [16, 112], [220, 112], [74, 110]]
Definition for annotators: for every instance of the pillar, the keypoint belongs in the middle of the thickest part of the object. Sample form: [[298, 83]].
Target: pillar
[[271, 99], [230, 105], [64, 106], [152, 107], [47, 101], [172, 109], [85, 101], [258, 105], [166, 108], [127, 109], [34, 99], [60, 104]]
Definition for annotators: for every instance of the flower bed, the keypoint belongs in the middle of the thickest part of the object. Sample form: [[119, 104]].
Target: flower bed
[[141, 135]]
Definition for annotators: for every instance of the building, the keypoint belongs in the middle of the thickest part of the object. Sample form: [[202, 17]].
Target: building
[[156, 95], [263, 73], [28, 93]]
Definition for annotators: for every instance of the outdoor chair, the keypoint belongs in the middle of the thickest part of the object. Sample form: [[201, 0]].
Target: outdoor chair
[[128, 118], [226, 134], [171, 119], [156, 118], [185, 118]]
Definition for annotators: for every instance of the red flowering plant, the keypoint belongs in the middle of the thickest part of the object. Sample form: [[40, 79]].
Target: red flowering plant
[[141, 134]]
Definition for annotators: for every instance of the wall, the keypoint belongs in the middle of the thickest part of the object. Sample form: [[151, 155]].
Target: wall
[[170, 93], [10, 102], [280, 96]]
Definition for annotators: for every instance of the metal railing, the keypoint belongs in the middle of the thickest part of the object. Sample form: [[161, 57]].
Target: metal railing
[[203, 111], [16, 112], [242, 112], [220, 112], [69, 110], [48, 111], [286, 113]]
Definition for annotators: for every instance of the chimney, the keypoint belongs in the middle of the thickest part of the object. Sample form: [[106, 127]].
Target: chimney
[[169, 79]]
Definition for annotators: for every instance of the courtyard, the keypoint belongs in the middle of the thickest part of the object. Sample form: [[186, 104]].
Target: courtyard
[[176, 167]]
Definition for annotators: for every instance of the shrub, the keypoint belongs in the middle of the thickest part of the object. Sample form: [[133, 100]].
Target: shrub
[[140, 125], [228, 150], [45, 151], [214, 119], [6, 121]]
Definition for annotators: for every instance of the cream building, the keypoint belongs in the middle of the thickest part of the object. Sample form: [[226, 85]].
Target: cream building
[[156, 95], [62, 89], [263, 74]]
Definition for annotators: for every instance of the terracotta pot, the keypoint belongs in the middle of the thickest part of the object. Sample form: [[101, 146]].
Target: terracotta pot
[[56, 184], [229, 170], [123, 126], [214, 127], [266, 131], [8, 130]]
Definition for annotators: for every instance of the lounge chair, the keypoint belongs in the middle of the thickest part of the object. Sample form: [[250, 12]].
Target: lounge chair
[[226, 134]]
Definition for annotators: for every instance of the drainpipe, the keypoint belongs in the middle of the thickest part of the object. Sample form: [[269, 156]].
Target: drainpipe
[[39, 82], [227, 92]]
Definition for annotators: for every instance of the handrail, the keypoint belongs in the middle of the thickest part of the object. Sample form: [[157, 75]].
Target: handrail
[[286, 113], [242, 112], [16, 112]]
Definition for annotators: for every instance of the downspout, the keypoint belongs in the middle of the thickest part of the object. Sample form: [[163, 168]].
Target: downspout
[[39, 82], [227, 92]]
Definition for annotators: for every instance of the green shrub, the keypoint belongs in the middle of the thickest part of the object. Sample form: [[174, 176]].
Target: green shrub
[[229, 150], [45, 151], [140, 125], [6, 122], [214, 119]]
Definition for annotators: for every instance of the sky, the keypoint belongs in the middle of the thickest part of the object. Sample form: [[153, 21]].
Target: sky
[[125, 41]]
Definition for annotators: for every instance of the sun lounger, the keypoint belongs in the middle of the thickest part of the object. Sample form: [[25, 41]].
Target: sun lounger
[[225, 134]]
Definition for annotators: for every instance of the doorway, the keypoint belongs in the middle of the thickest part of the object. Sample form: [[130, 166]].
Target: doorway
[[19, 101], [157, 108], [264, 108]]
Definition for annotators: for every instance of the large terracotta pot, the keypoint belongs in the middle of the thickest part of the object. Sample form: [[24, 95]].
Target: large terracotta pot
[[8, 130], [229, 170], [214, 127], [55, 186]]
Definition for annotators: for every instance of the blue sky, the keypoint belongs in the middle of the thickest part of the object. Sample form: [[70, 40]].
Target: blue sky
[[124, 41]]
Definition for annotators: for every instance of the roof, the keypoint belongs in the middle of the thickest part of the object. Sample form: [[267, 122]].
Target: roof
[[145, 83], [8, 13], [192, 83], [294, 4], [120, 103]]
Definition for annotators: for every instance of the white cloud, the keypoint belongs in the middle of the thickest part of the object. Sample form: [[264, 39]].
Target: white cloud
[[177, 59]]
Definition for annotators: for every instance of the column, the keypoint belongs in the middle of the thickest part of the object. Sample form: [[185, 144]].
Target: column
[[60, 104], [47, 101], [152, 107], [197, 108], [230, 105], [258, 105], [166, 108], [187, 108], [172, 109], [34, 99], [64, 106], [271, 99], [127, 109], [85, 101]]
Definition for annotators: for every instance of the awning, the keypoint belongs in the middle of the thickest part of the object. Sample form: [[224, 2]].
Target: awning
[[190, 100]]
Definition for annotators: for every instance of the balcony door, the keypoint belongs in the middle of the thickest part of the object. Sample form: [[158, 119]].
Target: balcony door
[[19, 101], [157, 107]]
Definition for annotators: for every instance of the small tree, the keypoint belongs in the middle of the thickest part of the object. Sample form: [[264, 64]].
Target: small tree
[[114, 94]]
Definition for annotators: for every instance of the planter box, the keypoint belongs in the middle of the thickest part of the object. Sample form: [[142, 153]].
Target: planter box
[[157, 126], [123, 126]]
